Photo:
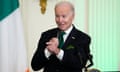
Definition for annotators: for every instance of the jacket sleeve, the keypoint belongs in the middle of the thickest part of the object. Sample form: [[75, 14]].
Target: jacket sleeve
[[39, 59]]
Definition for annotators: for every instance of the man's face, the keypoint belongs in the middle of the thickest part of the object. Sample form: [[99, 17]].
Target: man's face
[[64, 17]]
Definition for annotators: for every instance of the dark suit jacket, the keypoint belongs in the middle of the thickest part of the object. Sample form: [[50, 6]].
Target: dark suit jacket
[[76, 50]]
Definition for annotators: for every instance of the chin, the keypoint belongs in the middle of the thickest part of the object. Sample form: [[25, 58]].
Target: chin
[[62, 29]]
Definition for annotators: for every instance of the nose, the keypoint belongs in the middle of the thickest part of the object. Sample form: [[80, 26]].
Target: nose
[[60, 19]]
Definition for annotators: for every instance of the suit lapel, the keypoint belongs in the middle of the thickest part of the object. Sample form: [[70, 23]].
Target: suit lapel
[[70, 38]]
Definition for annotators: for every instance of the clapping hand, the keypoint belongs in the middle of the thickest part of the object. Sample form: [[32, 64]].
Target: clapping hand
[[52, 46]]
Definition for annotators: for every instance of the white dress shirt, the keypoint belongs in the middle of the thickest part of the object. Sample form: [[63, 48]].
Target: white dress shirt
[[61, 53]]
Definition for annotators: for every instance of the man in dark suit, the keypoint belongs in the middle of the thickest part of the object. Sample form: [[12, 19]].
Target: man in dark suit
[[72, 55]]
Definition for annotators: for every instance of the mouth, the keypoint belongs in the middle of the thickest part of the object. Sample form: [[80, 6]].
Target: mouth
[[61, 24]]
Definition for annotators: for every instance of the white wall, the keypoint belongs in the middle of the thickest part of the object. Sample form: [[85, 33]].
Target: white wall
[[35, 22]]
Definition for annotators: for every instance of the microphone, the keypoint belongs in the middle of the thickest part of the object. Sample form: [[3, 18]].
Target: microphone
[[90, 57]]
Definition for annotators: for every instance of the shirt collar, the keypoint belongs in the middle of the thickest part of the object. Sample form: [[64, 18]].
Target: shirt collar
[[69, 29]]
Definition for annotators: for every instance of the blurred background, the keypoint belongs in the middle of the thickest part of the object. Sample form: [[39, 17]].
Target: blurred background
[[98, 18]]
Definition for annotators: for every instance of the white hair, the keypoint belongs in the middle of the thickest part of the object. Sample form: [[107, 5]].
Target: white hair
[[66, 3]]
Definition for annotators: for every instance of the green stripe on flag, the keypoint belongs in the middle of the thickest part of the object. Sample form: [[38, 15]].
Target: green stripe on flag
[[7, 7]]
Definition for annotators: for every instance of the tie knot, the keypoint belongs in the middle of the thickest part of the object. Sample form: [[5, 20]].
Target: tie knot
[[62, 33]]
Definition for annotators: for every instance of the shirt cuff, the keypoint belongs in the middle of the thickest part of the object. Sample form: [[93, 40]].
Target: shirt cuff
[[60, 54], [47, 53]]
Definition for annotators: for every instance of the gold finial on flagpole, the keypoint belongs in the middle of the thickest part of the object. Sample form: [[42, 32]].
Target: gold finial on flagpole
[[43, 4]]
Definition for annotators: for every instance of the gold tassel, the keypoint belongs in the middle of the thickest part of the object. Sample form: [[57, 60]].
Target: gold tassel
[[43, 4]]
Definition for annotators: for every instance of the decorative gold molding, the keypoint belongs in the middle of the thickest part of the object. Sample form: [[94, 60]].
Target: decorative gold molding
[[43, 4]]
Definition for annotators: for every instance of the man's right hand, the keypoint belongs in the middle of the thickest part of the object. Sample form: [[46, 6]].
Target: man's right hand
[[52, 46]]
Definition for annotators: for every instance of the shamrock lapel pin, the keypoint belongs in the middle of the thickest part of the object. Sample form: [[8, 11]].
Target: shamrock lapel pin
[[70, 47]]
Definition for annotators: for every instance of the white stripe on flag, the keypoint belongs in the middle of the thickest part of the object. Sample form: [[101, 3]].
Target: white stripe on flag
[[12, 45]]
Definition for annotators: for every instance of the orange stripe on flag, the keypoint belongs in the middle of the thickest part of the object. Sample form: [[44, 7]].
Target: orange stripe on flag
[[27, 70]]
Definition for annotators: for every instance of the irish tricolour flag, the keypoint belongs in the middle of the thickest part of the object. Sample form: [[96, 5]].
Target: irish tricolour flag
[[12, 45]]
